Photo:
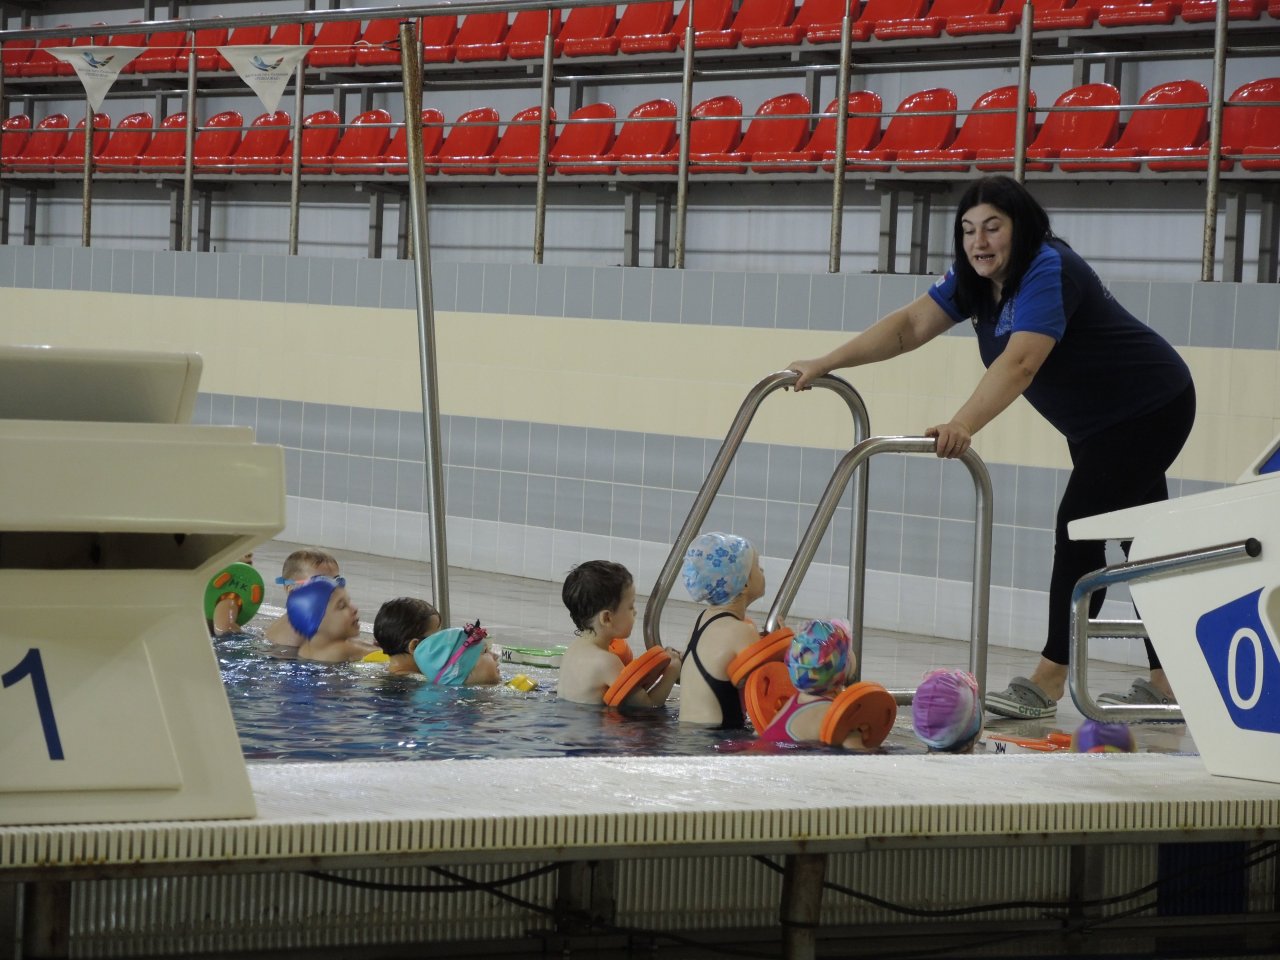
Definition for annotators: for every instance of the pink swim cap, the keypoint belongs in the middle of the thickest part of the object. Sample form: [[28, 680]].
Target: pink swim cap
[[945, 711]]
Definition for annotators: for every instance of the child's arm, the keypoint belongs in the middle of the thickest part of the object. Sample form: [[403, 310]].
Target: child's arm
[[657, 695], [224, 616]]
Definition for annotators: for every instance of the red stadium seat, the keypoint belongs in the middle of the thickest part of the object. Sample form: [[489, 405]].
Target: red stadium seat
[[293, 34], [320, 133], [949, 15], [908, 132], [638, 20], [162, 53], [713, 132], [474, 134], [438, 36], [1129, 13], [43, 145], [1067, 127], [335, 44], [993, 125], [128, 142], [41, 63], [432, 138], [263, 148], [707, 14], [206, 50], [15, 54], [379, 44], [217, 140], [585, 26], [14, 134], [752, 15], [817, 21], [651, 138], [589, 140], [480, 37], [780, 126], [876, 12], [168, 148], [70, 159], [1147, 129], [1063, 14], [244, 37], [861, 133], [128, 40], [1202, 11], [1245, 126], [517, 152], [526, 40], [363, 143]]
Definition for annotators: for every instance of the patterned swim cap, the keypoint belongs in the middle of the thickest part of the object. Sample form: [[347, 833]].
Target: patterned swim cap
[[1095, 737], [945, 711], [716, 567], [819, 657], [307, 603]]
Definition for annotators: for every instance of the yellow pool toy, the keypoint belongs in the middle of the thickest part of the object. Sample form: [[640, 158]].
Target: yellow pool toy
[[522, 683]]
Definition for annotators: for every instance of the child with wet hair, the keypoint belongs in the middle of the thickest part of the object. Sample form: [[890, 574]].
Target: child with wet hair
[[721, 570], [299, 567], [600, 596], [323, 614], [820, 663], [402, 624], [946, 713]]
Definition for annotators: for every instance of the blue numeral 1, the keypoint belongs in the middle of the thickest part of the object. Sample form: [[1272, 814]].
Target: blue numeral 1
[[32, 666]]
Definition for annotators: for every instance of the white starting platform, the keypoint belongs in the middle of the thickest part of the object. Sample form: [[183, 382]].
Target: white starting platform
[[1204, 574], [115, 512]]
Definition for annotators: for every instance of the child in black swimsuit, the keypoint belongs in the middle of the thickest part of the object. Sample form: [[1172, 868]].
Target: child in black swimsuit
[[723, 571]]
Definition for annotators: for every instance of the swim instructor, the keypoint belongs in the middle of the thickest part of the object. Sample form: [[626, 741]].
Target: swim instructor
[[1048, 330]]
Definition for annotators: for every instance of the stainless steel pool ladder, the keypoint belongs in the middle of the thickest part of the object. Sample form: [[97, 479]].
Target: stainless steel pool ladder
[[1134, 571], [846, 470]]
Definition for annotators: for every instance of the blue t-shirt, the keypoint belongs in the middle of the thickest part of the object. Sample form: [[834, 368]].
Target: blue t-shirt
[[1107, 365]]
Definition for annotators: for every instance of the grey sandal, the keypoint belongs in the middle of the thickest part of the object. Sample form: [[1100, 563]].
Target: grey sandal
[[1022, 700], [1140, 692]]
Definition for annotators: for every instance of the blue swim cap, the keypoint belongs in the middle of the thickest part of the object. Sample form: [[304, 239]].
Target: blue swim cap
[[716, 567], [819, 656], [448, 656], [306, 604]]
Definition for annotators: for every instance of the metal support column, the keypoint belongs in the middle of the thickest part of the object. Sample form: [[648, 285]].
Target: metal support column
[[46, 919], [1024, 95], [1268, 236], [402, 228], [631, 228], [206, 220], [377, 208], [175, 218], [188, 163], [682, 170], [295, 165], [86, 190], [6, 202], [801, 912], [662, 229], [29, 219], [584, 896], [1234, 205], [544, 144], [921, 210], [888, 255], [1216, 94], [411, 70], [836, 238]]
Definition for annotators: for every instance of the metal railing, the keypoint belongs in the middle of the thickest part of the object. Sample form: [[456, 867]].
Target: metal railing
[[1134, 571]]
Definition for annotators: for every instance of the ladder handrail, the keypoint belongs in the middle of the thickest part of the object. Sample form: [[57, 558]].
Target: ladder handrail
[[845, 469], [715, 477]]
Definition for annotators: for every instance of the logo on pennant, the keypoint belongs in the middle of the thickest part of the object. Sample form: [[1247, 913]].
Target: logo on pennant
[[265, 69], [97, 67]]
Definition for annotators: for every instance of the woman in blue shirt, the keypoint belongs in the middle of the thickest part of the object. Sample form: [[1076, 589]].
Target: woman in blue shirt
[[1050, 331]]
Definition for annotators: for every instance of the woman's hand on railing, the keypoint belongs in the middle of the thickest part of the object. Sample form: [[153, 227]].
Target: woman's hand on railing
[[954, 438], [808, 371]]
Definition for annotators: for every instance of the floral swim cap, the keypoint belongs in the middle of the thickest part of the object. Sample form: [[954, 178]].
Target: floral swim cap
[[716, 567], [1096, 737], [307, 603], [945, 711], [820, 657]]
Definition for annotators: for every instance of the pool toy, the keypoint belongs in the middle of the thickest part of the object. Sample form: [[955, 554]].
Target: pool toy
[[531, 656], [239, 582], [307, 603], [765, 691], [866, 708], [377, 656], [1053, 742], [641, 673], [771, 648], [619, 647], [523, 683], [1095, 737]]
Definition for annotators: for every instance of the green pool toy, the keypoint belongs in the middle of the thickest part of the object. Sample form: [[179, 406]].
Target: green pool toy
[[533, 656], [241, 582]]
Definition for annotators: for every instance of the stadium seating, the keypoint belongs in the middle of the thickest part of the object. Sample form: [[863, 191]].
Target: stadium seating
[[262, 148], [992, 125], [128, 142], [395, 155], [14, 134], [781, 124], [933, 129], [363, 143], [588, 140], [474, 134], [1183, 123], [335, 44], [167, 150], [862, 132], [638, 20], [70, 159], [752, 15], [585, 26], [163, 51], [480, 37], [45, 143], [217, 140], [517, 152], [1086, 116], [648, 133]]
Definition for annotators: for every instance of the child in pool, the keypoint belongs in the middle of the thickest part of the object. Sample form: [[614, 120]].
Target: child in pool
[[321, 612], [723, 571], [820, 662], [946, 713], [299, 567], [601, 598], [408, 631]]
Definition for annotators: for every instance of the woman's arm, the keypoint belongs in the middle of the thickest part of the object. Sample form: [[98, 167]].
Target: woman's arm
[[1004, 381], [895, 333]]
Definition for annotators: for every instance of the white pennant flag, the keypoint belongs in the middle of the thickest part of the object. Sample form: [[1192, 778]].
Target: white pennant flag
[[265, 69], [97, 67]]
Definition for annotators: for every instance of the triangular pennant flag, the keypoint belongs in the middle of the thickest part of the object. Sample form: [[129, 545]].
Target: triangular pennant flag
[[97, 67], [265, 69]]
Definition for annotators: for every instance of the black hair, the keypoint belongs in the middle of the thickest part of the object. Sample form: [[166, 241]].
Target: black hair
[[592, 587], [401, 621], [1030, 229]]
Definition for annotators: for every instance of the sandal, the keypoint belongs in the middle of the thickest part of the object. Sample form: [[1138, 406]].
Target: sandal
[[1021, 700], [1140, 693]]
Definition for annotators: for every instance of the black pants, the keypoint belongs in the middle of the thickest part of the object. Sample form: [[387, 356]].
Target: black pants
[[1122, 466]]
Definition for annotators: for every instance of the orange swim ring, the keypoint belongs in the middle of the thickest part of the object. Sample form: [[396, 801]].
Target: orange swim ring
[[865, 708], [766, 691], [641, 673], [769, 649]]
